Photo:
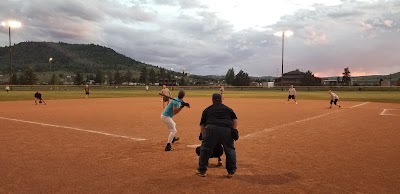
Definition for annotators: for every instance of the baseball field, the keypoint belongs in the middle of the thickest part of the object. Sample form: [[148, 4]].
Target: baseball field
[[106, 144]]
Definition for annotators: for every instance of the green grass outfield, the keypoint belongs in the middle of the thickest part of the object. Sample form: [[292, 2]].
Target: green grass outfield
[[370, 96]]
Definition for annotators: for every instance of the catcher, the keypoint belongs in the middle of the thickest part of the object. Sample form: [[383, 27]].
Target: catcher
[[217, 152]]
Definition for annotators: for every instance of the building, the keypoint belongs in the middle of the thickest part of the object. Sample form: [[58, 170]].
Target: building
[[167, 82], [298, 78]]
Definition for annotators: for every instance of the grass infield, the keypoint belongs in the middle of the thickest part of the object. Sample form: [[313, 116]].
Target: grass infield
[[370, 96]]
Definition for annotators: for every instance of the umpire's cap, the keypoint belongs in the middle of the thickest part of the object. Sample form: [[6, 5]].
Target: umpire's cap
[[216, 97]]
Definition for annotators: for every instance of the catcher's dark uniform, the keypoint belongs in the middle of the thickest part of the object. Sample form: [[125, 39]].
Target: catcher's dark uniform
[[217, 152]]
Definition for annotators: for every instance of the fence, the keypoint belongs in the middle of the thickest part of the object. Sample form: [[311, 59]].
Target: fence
[[234, 88]]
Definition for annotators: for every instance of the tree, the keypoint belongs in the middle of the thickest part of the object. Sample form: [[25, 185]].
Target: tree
[[110, 78], [78, 79], [117, 78], [162, 73], [346, 76], [14, 79], [143, 75], [54, 79], [152, 76], [29, 77], [241, 79], [308, 79], [128, 76], [230, 76], [99, 77]]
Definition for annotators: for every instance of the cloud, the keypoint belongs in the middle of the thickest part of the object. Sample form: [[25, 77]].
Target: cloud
[[190, 34]]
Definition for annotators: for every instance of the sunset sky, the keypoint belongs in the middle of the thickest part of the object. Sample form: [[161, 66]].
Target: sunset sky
[[208, 37]]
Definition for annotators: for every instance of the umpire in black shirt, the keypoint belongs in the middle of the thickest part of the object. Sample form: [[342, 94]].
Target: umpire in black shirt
[[216, 123]]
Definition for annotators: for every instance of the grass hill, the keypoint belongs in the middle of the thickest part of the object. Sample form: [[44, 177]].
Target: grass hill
[[85, 58]]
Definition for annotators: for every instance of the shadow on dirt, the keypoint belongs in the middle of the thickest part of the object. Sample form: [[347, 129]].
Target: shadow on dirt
[[268, 179]]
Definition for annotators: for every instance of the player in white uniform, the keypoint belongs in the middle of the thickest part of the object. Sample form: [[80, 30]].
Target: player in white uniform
[[334, 99], [166, 92], [292, 94], [172, 109]]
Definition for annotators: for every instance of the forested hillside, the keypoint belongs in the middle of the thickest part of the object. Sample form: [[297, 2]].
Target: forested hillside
[[86, 58]]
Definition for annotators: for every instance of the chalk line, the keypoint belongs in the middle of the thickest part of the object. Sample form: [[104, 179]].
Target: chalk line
[[73, 128], [291, 123]]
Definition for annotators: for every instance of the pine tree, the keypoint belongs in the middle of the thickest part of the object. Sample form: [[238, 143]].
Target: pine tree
[[29, 77], [241, 79], [346, 76], [128, 76], [143, 75], [230, 76], [54, 79], [78, 79], [117, 78], [152, 76], [14, 79]]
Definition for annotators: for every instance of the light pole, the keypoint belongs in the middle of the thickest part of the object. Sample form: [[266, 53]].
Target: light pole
[[286, 33], [11, 24], [51, 75]]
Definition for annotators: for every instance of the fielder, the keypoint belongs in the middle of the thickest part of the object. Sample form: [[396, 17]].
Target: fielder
[[334, 99], [87, 91], [222, 90], [172, 109], [166, 92], [292, 94], [38, 97]]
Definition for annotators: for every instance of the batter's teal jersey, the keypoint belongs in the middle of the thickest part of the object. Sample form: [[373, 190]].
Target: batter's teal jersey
[[169, 110]]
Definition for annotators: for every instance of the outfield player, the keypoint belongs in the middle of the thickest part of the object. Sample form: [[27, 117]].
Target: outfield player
[[334, 99], [222, 90], [292, 94], [166, 92], [38, 97], [87, 91], [7, 88], [173, 108]]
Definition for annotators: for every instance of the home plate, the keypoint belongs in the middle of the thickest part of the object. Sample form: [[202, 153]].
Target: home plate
[[193, 146]]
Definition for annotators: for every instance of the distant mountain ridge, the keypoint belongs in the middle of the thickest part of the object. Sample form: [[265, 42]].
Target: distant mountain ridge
[[85, 58]]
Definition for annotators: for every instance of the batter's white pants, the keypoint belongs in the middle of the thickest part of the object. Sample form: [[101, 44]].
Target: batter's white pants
[[171, 126]]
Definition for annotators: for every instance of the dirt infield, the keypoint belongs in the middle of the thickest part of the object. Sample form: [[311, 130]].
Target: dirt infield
[[117, 146]]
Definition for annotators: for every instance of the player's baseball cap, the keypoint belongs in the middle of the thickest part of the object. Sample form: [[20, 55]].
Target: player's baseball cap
[[216, 97]]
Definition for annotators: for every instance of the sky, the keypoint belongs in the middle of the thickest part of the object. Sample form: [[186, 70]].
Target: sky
[[207, 37]]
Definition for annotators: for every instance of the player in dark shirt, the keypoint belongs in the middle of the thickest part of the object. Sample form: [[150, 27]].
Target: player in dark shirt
[[38, 97], [216, 126]]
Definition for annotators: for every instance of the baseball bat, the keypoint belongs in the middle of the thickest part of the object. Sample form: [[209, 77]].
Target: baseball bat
[[161, 94]]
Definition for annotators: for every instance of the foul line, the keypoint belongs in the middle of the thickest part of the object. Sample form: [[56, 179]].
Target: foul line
[[359, 104], [299, 121], [73, 128]]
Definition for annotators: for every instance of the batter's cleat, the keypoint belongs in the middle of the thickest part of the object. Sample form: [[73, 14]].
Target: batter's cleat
[[175, 139], [168, 147], [230, 175], [201, 174]]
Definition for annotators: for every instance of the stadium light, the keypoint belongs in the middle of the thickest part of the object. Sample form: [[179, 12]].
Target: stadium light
[[50, 77], [11, 24], [282, 34]]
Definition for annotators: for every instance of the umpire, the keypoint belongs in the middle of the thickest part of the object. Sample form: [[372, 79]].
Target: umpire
[[216, 124]]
